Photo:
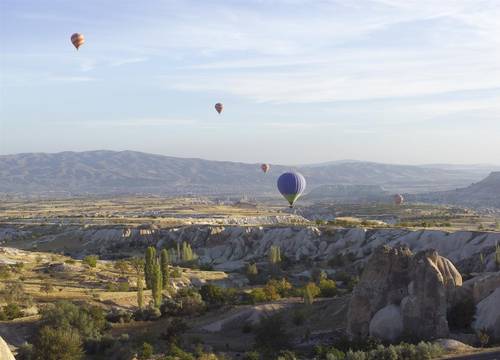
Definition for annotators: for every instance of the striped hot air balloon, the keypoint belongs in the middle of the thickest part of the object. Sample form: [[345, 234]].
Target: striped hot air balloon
[[399, 199], [219, 107], [291, 185], [77, 40], [265, 167]]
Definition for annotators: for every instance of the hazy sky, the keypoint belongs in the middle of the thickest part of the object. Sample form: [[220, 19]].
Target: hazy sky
[[405, 81]]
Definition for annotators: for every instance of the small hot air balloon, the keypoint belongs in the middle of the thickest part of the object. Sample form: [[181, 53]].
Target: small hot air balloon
[[291, 185], [219, 107], [77, 40], [265, 167], [399, 199]]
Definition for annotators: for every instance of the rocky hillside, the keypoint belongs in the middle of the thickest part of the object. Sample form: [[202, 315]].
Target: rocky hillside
[[111, 172], [485, 193], [232, 247]]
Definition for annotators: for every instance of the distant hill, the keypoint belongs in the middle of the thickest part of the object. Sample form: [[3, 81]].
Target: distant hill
[[485, 193], [130, 172]]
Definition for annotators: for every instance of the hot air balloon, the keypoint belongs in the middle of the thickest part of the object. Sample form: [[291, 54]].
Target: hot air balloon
[[265, 167], [399, 199], [291, 185], [77, 40], [219, 107]]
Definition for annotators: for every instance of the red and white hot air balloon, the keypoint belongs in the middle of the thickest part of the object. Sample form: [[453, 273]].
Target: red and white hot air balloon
[[219, 107], [399, 199], [265, 167], [77, 40]]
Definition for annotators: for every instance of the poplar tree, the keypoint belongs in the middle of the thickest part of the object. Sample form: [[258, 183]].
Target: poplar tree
[[140, 293], [157, 285], [165, 270], [150, 262]]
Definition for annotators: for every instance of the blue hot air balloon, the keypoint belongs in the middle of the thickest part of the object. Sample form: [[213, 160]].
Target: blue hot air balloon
[[291, 185]]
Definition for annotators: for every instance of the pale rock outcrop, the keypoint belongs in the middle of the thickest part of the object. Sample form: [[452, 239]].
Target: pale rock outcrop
[[413, 288], [488, 315], [453, 346], [5, 353], [483, 285], [217, 245], [387, 323]]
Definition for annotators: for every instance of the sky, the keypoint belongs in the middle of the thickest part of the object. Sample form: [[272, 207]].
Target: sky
[[302, 81]]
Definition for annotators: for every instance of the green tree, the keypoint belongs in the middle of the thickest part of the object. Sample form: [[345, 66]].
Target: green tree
[[58, 344], [187, 252], [157, 285], [89, 321], [146, 351], [274, 254], [140, 293], [252, 270], [91, 260], [165, 268], [149, 266], [311, 290]]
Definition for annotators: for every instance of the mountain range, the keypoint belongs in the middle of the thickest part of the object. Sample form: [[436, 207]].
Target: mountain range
[[129, 172]]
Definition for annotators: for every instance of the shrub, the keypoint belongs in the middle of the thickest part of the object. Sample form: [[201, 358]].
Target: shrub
[[4, 271], [14, 292], [89, 321], [328, 288], [91, 260], [251, 355], [56, 344], [146, 351], [286, 355], [119, 316], [147, 314], [12, 311], [174, 330], [216, 296], [328, 353]]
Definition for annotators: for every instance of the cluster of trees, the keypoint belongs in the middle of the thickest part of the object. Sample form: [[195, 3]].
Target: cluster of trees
[[423, 350], [66, 331], [276, 289], [156, 273]]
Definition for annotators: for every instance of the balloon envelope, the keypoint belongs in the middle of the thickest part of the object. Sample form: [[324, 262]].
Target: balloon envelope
[[291, 185], [399, 199], [219, 107], [265, 167], [77, 40]]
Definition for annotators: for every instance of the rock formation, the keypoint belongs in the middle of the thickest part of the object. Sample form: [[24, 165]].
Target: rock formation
[[5, 353], [231, 247], [488, 315], [401, 294]]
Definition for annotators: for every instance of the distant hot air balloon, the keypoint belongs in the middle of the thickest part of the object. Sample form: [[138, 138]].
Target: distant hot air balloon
[[219, 107], [77, 40], [291, 185], [399, 199], [265, 167]]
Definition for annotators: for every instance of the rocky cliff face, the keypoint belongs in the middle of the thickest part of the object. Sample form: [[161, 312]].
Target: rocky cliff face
[[230, 247], [401, 294]]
